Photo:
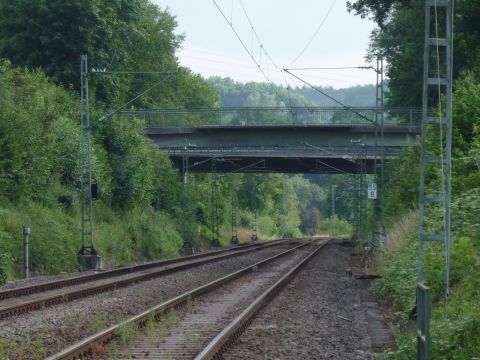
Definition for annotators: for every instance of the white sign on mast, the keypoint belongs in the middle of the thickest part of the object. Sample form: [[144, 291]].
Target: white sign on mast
[[372, 191]]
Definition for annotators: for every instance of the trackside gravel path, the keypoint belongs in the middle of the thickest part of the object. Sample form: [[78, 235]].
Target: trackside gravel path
[[319, 315]]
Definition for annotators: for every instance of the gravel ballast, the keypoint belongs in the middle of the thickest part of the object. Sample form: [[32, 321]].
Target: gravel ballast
[[319, 315], [41, 333]]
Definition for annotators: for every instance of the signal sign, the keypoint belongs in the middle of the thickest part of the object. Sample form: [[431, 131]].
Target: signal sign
[[372, 191]]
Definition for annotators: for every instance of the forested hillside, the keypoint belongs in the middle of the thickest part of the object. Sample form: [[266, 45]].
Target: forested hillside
[[236, 94], [455, 324], [362, 95], [138, 214]]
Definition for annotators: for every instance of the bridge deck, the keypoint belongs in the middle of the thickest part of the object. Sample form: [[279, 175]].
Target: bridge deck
[[297, 140]]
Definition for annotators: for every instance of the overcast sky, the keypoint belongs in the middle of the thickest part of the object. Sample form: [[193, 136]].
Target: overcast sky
[[284, 27]]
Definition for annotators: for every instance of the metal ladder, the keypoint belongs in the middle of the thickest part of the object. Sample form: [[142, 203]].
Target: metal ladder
[[435, 157]]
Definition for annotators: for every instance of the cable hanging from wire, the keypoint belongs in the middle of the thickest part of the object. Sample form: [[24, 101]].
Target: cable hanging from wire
[[249, 53], [263, 48], [254, 32], [324, 20]]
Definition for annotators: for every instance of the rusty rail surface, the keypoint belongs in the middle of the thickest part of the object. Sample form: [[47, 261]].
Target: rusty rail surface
[[57, 284], [67, 296], [86, 348]]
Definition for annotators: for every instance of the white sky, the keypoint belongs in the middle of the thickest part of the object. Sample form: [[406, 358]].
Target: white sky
[[284, 27]]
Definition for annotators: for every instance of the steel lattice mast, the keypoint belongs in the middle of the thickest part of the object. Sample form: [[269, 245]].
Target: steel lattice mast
[[85, 164], [436, 150]]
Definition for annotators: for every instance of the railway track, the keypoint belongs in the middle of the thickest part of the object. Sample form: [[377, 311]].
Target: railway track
[[203, 331], [17, 301]]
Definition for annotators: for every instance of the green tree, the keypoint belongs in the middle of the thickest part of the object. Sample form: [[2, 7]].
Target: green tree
[[121, 35], [400, 39]]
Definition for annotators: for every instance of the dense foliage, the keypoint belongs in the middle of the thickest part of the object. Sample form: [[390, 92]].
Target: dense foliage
[[400, 39], [138, 214], [125, 35], [455, 323]]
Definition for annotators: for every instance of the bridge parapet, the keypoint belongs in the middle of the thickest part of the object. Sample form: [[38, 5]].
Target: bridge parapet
[[263, 116]]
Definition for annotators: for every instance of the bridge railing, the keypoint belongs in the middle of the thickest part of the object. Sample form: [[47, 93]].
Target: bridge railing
[[299, 116]]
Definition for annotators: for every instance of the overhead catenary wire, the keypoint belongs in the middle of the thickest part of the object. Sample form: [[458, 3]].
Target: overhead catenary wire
[[110, 114], [314, 34], [245, 167], [333, 68], [107, 72], [350, 78], [347, 107], [249, 53], [254, 32]]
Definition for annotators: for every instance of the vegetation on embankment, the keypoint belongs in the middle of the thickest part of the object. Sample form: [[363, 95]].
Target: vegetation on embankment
[[455, 326], [138, 214]]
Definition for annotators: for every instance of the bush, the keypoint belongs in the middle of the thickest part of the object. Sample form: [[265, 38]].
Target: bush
[[342, 226]]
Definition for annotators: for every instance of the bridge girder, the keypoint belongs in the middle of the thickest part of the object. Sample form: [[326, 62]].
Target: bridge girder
[[287, 149]]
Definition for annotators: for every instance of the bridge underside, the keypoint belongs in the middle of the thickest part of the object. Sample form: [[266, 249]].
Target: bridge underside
[[286, 149], [263, 160]]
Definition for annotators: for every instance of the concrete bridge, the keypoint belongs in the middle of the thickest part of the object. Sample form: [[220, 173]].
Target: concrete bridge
[[289, 140]]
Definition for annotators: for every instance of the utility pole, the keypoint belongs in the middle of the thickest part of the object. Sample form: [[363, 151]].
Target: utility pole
[[87, 256], [437, 121], [375, 192], [356, 200], [254, 209], [436, 156], [333, 211], [215, 241], [187, 235], [26, 265], [284, 207], [381, 112], [234, 239]]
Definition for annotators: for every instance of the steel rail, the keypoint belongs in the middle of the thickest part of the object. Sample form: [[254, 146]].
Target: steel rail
[[67, 296], [57, 284], [233, 330], [86, 348]]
